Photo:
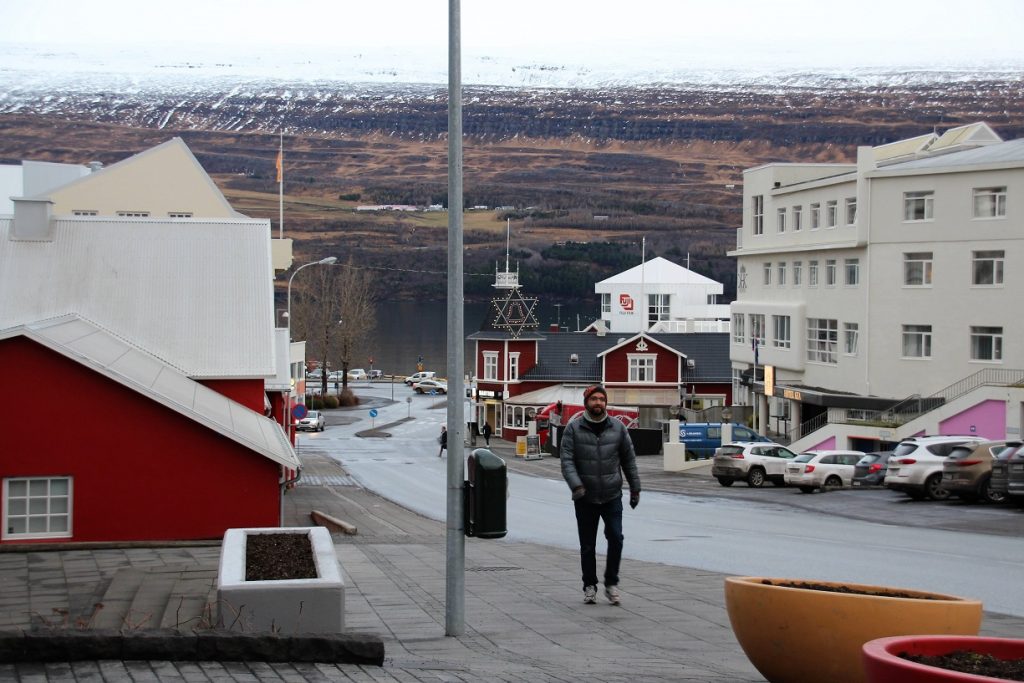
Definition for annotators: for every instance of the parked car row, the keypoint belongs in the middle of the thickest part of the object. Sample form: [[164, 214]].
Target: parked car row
[[924, 467]]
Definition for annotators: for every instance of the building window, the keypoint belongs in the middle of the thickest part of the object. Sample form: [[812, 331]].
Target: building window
[[987, 343], [37, 507], [767, 274], [741, 278], [513, 366], [739, 335], [812, 273], [852, 267], [987, 268], [606, 302], [831, 213], [830, 272], [758, 210], [85, 212], [781, 339], [133, 214], [491, 365], [798, 218], [851, 210], [641, 367], [798, 273], [657, 308], [815, 216], [917, 341], [918, 206], [990, 202], [780, 218], [850, 333], [517, 417], [757, 327], [781, 272], [179, 214], [822, 340], [917, 269]]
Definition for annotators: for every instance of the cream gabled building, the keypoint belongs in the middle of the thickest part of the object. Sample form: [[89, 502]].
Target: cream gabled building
[[886, 280]]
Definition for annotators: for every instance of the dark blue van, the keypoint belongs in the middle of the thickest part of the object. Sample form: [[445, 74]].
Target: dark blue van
[[702, 438]]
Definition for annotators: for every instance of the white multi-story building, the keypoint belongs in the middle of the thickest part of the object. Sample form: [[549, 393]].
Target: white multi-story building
[[870, 283]]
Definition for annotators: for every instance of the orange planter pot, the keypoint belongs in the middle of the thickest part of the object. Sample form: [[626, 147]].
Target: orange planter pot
[[797, 635]]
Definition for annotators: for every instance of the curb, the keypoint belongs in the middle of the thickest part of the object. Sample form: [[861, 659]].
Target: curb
[[200, 646]]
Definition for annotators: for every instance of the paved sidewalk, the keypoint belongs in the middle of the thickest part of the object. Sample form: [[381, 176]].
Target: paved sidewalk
[[524, 616]]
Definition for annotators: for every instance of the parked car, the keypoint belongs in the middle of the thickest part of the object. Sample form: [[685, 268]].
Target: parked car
[[314, 375], [999, 481], [822, 470], [313, 422], [376, 374], [357, 374], [753, 461], [419, 376], [1015, 475], [967, 471], [429, 385], [702, 439], [915, 467], [870, 470], [335, 376]]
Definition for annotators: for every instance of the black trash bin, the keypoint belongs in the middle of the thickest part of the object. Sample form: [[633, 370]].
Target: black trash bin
[[484, 495]]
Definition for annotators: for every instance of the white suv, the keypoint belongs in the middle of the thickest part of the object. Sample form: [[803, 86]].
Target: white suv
[[915, 467], [822, 469], [419, 376], [753, 461]]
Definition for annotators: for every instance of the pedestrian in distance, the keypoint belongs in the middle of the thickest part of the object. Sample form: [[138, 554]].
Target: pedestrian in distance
[[595, 452], [487, 433], [443, 440]]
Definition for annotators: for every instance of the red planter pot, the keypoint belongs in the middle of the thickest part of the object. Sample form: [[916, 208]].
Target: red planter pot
[[883, 665]]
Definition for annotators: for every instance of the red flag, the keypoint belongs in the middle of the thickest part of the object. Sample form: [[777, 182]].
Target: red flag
[[280, 165]]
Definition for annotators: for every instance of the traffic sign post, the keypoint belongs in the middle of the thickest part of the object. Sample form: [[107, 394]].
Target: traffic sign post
[[373, 416]]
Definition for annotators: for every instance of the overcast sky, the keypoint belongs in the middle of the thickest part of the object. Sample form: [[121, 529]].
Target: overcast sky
[[798, 31]]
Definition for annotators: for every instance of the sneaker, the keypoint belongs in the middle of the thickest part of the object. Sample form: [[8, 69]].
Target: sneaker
[[590, 595], [612, 593]]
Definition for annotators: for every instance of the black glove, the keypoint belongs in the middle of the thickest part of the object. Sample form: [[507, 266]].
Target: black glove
[[634, 499]]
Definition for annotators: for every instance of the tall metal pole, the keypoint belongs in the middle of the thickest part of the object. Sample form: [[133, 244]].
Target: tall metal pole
[[455, 577]]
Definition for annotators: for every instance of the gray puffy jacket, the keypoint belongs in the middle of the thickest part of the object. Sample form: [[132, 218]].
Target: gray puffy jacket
[[596, 461]]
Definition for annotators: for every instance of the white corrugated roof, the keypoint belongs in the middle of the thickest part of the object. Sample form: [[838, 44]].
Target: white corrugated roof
[[1001, 153], [196, 293], [100, 350], [659, 270]]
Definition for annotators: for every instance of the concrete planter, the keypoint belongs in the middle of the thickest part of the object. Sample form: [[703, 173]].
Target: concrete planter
[[882, 663], [798, 635], [287, 606]]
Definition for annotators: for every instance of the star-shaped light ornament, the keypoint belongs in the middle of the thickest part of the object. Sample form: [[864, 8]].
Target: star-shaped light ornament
[[514, 313]]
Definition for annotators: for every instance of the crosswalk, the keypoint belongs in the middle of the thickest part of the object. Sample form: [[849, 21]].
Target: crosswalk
[[326, 480]]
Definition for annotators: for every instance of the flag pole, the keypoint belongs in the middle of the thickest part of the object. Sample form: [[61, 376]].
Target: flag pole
[[280, 189]]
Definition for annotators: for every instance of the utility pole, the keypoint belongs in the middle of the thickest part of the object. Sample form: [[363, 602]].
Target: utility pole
[[455, 561]]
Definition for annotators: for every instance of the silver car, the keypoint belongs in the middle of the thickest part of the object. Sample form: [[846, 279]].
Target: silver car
[[313, 422]]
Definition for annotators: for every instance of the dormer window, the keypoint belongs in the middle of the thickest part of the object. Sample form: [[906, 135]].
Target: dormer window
[[574, 359]]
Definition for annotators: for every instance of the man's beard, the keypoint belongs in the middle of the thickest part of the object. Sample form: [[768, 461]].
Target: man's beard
[[595, 411]]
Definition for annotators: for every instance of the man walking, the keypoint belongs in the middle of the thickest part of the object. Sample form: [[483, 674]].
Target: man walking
[[443, 440], [487, 433], [596, 450]]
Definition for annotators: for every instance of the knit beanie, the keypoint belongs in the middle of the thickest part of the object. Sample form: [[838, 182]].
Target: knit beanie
[[596, 388]]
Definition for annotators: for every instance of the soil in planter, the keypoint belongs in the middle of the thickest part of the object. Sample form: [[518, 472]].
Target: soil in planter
[[975, 663], [277, 557], [810, 586]]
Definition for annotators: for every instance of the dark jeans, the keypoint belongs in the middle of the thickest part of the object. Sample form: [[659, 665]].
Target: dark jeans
[[587, 517]]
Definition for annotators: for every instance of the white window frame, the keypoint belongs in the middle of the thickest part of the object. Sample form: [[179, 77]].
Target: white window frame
[[757, 212], [179, 214], [513, 366], [780, 272], [490, 366], [830, 272], [780, 220], [767, 270], [757, 327], [798, 273], [994, 338], [642, 367], [133, 214], [988, 203], [831, 213], [851, 335], [659, 307], [739, 335], [782, 331], [606, 302], [822, 340], [851, 268], [851, 210], [85, 212], [911, 259], [812, 273], [798, 218], [31, 509], [918, 206], [917, 342], [517, 417], [815, 215], [996, 260]]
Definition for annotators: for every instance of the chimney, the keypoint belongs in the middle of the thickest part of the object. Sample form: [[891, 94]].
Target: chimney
[[95, 166], [553, 327], [32, 220]]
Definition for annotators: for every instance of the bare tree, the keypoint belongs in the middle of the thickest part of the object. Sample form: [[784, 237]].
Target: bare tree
[[334, 312]]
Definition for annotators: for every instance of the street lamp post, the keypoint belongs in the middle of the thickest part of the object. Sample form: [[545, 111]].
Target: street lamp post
[[322, 262]]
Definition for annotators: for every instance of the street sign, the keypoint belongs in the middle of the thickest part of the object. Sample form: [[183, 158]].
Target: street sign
[[373, 412], [299, 412]]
